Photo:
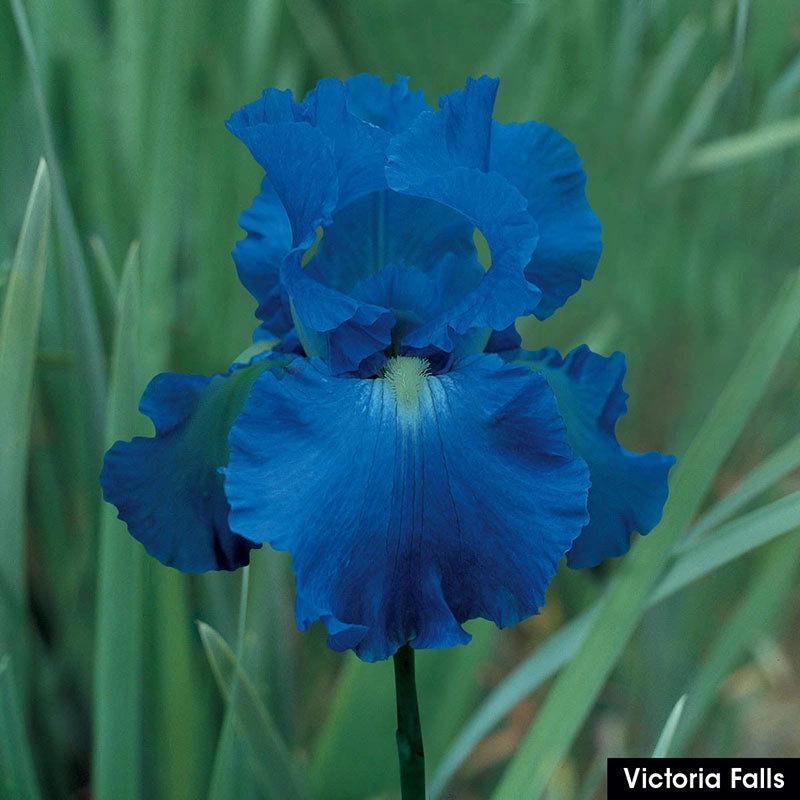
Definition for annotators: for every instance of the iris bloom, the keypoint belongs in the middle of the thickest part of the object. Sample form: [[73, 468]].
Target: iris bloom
[[419, 466]]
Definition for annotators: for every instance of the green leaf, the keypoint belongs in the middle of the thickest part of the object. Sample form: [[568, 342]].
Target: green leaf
[[780, 463], [260, 650], [665, 73], [89, 343], [17, 778], [19, 337], [763, 599], [117, 723], [698, 118], [355, 750], [272, 763], [729, 542], [745, 147], [569, 702], [665, 739]]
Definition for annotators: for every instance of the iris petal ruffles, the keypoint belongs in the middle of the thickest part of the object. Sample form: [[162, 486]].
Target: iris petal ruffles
[[404, 522], [168, 488], [361, 144], [628, 489], [545, 168], [410, 499]]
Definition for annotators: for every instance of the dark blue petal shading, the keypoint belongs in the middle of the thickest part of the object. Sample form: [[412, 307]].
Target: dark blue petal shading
[[499, 211], [348, 333], [544, 166], [628, 489], [384, 228], [408, 508], [504, 341], [168, 488]]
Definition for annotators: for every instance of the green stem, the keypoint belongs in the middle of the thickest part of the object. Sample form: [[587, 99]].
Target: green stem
[[409, 731]]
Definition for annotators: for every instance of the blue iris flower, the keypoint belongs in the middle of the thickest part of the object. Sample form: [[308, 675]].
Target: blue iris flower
[[386, 428]]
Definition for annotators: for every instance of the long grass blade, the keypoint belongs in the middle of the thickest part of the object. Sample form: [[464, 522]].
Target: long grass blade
[[569, 702], [696, 122], [665, 73], [732, 540], [562, 646], [117, 749], [745, 147], [19, 337], [17, 776], [664, 742], [763, 599], [779, 464], [89, 342], [728, 543], [271, 761]]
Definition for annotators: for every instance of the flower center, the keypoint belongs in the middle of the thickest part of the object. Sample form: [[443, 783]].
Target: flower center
[[406, 375]]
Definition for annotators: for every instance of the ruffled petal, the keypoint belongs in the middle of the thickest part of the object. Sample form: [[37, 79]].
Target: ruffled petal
[[259, 256], [348, 333], [498, 211], [359, 148], [410, 258], [168, 488], [628, 489], [545, 168], [444, 157], [385, 228], [410, 502], [457, 136], [392, 108], [299, 162]]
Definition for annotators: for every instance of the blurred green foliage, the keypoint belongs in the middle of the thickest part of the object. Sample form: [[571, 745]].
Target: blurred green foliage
[[687, 118]]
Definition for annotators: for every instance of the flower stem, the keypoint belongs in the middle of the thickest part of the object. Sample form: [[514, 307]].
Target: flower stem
[[409, 731]]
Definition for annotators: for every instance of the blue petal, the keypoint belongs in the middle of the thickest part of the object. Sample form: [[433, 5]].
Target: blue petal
[[628, 489], [259, 256], [416, 296], [359, 258], [348, 333], [504, 294], [383, 228], [457, 136], [359, 148], [392, 108], [408, 510], [168, 488], [504, 341], [299, 163], [444, 157], [543, 165]]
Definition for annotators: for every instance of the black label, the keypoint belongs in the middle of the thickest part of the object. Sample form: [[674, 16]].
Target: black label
[[703, 777]]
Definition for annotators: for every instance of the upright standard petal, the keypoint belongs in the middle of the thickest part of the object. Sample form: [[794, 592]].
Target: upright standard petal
[[411, 502], [392, 108], [445, 157], [545, 168], [168, 488], [628, 489], [258, 257]]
